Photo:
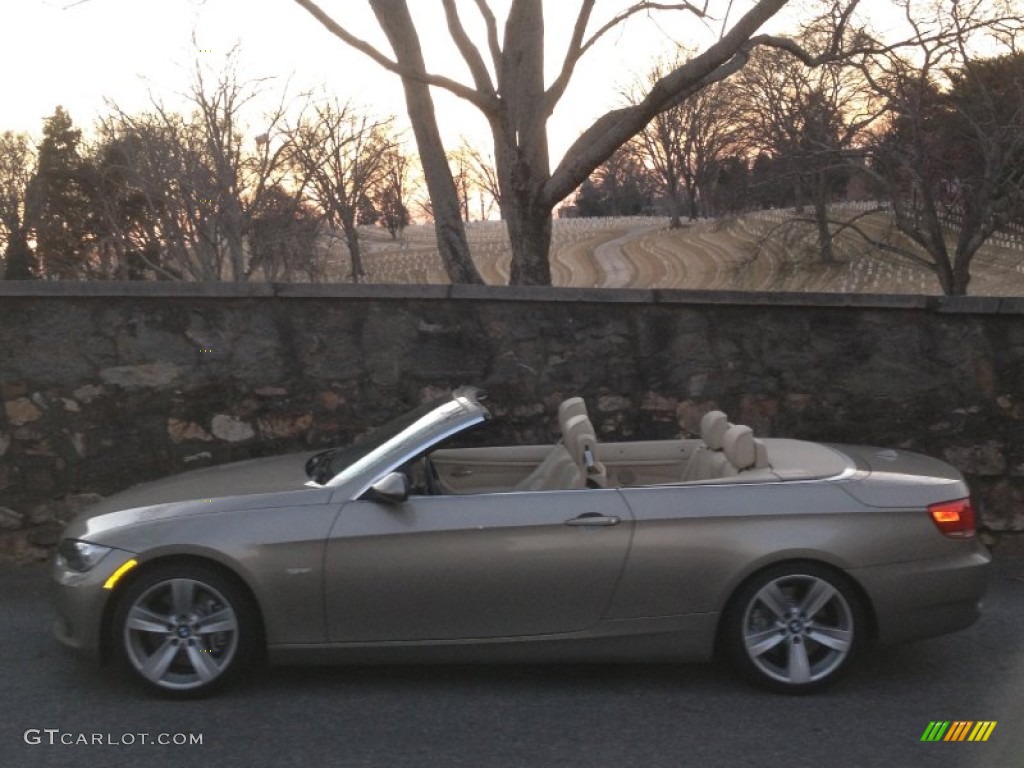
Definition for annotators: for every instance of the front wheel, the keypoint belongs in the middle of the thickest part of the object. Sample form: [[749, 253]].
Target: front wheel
[[185, 629], [794, 628]]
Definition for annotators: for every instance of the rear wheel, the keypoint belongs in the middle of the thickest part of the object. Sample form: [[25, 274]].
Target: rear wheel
[[794, 628], [185, 629]]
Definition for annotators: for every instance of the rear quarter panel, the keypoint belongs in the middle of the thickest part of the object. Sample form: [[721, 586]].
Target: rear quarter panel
[[693, 545]]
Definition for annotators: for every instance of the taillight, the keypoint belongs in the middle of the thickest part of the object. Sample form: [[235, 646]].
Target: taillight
[[954, 518]]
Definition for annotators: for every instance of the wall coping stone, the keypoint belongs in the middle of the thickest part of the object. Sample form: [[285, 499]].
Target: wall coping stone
[[979, 305], [134, 289]]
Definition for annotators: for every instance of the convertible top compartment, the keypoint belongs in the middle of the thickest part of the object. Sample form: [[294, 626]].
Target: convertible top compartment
[[902, 478]]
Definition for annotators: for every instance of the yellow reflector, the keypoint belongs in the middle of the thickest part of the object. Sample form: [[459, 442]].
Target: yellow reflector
[[116, 575]]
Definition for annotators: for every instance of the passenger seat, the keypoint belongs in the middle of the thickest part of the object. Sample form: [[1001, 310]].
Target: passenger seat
[[743, 451], [708, 461]]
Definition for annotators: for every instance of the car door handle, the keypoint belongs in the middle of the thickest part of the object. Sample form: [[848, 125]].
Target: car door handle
[[462, 472], [593, 518]]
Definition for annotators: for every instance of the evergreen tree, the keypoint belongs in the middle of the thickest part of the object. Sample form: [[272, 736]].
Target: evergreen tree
[[16, 162], [60, 202]]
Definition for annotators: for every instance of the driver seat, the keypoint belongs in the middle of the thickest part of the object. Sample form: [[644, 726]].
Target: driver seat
[[560, 469], [582, 446]]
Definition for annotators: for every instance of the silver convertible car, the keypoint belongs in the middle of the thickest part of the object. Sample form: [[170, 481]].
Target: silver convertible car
[[785, 557]]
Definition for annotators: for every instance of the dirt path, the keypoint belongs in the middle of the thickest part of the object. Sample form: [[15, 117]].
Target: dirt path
[[575, 264]]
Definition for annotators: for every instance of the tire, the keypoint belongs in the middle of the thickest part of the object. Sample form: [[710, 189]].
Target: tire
[[185, 629], [794, 628]]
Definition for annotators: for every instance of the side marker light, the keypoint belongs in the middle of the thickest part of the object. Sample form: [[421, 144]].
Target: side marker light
[[116, 575]]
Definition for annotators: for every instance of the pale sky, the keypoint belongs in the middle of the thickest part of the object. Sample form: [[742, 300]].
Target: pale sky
[[78, 54]]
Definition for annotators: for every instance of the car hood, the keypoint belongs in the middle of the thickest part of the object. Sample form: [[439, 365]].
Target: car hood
[[252, 483]]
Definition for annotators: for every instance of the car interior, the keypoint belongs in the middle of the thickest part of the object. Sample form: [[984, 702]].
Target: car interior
[[724, 452]]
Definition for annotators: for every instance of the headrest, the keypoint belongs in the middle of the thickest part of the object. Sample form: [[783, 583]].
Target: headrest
[[581, 443], [574, 406], [739, 447], [761, 451], [713, 425]]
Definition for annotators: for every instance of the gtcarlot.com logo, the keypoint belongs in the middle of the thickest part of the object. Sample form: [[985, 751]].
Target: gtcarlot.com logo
[[55, 736], [958, 730]]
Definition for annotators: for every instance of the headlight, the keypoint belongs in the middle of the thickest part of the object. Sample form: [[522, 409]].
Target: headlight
[[80, 556]]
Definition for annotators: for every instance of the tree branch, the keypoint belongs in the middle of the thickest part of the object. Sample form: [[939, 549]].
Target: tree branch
[[721, 59], [481, 100], [637, 8], [492, 33], [470, 53], [572, 55]]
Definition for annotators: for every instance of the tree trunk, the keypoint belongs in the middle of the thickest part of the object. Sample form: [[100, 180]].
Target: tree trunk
[[234, 225], [527, 215], [691, 195], [970, 242], [798, 195], [674, 205], [521, 145], [354, 253], [961, 277], [674, 209], [529, 230], [821, 217], [394, 18]]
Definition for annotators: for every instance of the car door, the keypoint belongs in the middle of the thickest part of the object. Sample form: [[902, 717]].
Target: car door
[[475, 566]]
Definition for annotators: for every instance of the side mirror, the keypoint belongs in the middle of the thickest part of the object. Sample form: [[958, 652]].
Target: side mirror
[[393, 488]]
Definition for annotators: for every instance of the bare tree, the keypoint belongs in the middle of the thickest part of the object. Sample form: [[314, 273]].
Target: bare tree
[[953, 156], [17, 164], [621, 186], [394, 191], [463, 184], [480, 174], [806, 119], [510, 91], [684, 143], [344, 154], [201, 178], [240, 176], [283, 238]]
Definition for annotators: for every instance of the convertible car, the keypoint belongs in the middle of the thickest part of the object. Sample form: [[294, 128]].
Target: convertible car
[[784, 557]]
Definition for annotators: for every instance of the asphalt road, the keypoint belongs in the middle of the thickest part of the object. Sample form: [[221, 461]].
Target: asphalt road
[[487, 716]]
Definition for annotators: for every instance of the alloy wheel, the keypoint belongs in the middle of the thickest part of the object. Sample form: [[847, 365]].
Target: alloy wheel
[[181, 634], [798, 629]]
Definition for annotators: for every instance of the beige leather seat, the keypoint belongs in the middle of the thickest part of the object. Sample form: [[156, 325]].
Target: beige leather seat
[[560, 469], [573, 406], [708, 461], [581, 443], [743, 451]]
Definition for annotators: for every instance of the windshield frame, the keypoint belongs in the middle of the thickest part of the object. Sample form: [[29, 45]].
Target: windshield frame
[[403, 438]]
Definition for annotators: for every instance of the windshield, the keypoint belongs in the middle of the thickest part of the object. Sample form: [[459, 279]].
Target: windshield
[[394, 442]]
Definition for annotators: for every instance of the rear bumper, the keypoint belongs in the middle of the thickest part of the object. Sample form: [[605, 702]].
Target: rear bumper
[[925, 598]]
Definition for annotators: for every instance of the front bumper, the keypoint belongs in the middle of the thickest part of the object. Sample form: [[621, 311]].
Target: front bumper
[[925, 598], [80, 601]]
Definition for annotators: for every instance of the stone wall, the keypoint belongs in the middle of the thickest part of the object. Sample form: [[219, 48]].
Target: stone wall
[[108, 384]]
